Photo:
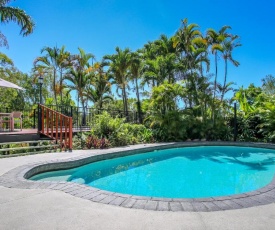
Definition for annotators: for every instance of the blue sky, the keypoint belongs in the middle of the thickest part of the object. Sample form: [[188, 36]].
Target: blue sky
[[98, 26]]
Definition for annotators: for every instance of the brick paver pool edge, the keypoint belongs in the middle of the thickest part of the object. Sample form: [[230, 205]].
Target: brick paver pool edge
[[18, 178]]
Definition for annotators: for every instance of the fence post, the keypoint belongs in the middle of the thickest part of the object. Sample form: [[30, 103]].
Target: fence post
[[70, 134], [235, 122], [77, 116], [71, 111], [39, 119]]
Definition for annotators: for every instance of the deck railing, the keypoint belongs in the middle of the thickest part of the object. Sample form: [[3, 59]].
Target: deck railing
[[81, 120], [82, 117], [56, 126]]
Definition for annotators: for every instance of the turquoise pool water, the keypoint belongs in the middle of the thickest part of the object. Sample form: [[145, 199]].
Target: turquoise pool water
[[189, 172]]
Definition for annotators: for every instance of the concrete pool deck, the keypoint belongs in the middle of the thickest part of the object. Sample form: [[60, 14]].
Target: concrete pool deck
[[53, 209]]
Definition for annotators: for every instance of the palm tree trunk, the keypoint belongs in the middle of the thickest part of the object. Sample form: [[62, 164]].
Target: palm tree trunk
[[84, 113], [201, 68], [138, 102], [54, 87], [100, 104], [123, 99], [215, 87], [216, 74], [125, 103], [83, 109], [61, 83], [225, 78]]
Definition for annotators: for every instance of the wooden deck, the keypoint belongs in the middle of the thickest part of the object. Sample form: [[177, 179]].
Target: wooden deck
[[34, 131], [28, 134], [17, 135], [18, 132]]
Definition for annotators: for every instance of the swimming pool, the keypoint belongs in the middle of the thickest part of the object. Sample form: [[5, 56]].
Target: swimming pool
[[189, 172]]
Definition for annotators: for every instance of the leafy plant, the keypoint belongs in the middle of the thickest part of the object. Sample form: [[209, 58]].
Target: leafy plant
[[96, 143], [118, 132]]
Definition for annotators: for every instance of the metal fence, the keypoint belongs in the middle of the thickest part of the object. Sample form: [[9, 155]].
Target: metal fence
[[29, 117], [82, 117]]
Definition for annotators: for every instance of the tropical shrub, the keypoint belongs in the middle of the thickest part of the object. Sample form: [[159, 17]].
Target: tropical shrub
[[249, 127], [96, 143], [170, 126], [267, 116], [119, 133]]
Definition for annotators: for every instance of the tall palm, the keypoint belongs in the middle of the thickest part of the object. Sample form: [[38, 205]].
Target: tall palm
[[100, 90], [199, 55], [149, 54], [168, 61], [228, 46], [119, 64], [14, 14], [41, 71], [49, 63], [164, 45], [184, 37], [194, 61], [80, 77], [135, 69], [79, 82], [222, 90], [149, 50], [215, 40], [150, 72], [64, 62], [191, 48]]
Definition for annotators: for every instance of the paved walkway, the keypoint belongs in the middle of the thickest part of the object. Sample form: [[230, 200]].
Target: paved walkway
[[52, 209]]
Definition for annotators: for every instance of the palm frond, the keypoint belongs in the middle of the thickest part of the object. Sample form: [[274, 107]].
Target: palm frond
[[18, 16]]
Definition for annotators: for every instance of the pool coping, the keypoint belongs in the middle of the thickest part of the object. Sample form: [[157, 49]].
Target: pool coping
[[17, 178]]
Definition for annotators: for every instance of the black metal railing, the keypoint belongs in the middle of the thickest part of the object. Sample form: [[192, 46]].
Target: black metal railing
[[29, 117], [82, 117]]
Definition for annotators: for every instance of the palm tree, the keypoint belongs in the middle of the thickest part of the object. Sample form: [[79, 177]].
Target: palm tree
[[100, 90], [215, 40], [199, 55], [64, 61], [79, 76], [79, 82], [119, 64], [222, 90], [49, 63], [149, 54], [228, 46], [164, 45], [183, 39], [14, 14], [135, 69], [167, 58], [41, 71], [192, 49], [5, 60], [160, 62]]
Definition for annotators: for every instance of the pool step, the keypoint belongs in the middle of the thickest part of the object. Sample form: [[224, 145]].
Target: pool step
[[8, 149]]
